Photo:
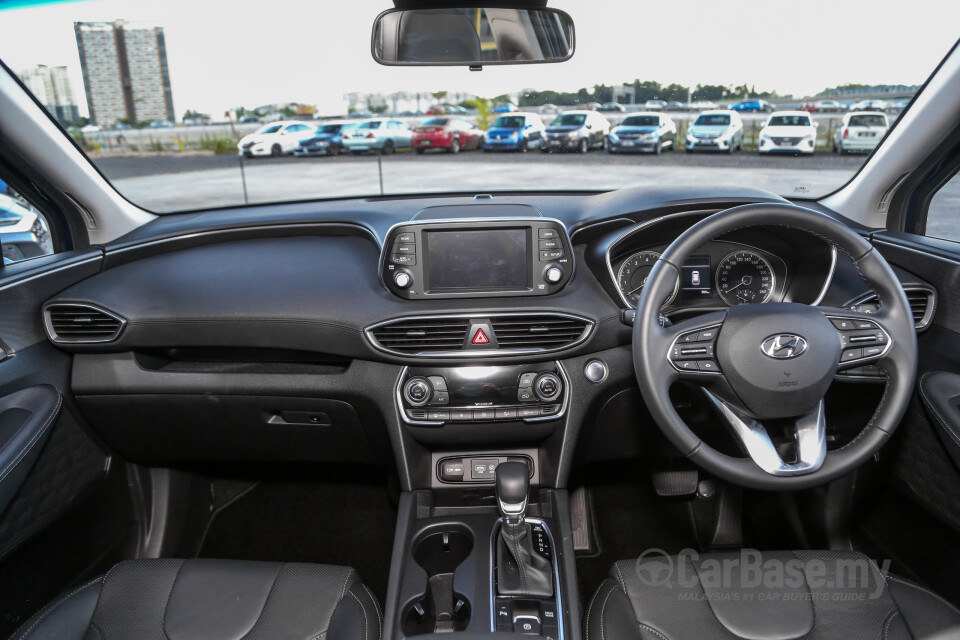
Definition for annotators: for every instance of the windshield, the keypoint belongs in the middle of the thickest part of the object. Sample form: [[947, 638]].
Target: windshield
[[163, 98], [509, 122], [434, 122], [570, 120], [641, 121], [789, 121], [712, 120], [330, 128]]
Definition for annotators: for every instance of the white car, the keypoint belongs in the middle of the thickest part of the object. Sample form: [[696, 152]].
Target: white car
[[789, 132], [23, 233], [860, 131], [716, 130], [382, 135], [275, 139]]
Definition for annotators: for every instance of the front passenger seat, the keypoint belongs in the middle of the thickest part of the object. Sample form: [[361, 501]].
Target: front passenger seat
[[212, 600], [783, 595]]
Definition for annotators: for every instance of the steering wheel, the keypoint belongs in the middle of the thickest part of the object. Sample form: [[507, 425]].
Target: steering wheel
[[775, 361]]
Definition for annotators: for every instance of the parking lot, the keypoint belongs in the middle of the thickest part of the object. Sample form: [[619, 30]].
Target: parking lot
[[201, 180]]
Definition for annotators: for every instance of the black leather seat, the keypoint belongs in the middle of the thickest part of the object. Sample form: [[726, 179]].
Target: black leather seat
[[213, 600], [813, 594]]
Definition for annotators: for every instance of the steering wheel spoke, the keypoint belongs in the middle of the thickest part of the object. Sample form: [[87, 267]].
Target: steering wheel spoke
[[808, 432], [863, 337]]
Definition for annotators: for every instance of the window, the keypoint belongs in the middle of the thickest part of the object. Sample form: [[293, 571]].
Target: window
[[943, 215], [24, 231]]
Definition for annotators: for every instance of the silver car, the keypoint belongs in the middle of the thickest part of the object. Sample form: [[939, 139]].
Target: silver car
[[384, 135]]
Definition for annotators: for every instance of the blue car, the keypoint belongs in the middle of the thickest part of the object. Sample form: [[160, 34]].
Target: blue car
[[328, 140], [753, 104], [514, 132]]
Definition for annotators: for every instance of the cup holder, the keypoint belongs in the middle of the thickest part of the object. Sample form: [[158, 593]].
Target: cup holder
[[440, 609]]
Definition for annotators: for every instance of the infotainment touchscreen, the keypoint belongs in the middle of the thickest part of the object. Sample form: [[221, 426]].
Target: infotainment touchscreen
[[477, 260]]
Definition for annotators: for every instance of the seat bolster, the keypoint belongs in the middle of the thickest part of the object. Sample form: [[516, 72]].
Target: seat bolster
[[926, 614], [611, 616], [357, 616], [66, 618]]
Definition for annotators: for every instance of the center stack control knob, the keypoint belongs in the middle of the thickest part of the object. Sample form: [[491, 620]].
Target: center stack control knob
[[547, 386], [553, 274], [402, 279], [417, 391]]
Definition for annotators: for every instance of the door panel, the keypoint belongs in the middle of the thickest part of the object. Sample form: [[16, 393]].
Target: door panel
[[65, 511]]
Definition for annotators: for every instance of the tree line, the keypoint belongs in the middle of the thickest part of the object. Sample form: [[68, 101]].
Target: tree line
[[643, 91]]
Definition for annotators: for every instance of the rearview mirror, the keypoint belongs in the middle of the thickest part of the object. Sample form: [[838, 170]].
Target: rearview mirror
[[471, 37]]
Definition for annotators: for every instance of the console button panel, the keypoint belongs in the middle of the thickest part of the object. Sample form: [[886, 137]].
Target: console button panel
[[434, 396]]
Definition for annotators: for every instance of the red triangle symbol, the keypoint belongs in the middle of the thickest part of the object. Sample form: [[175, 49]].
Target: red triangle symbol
[[479, 337]]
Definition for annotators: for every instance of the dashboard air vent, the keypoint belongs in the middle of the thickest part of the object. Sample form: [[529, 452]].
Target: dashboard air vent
[[422, 335], [81, 323], [446, 336], [537, 331], [923, 303]]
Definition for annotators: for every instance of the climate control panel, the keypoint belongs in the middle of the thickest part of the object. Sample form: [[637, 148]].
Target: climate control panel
[[438, 395]]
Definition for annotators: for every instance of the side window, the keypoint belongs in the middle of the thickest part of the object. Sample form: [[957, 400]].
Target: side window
[[943, 215], [24, 231]]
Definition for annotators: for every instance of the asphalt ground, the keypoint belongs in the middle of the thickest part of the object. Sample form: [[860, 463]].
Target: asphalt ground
[[172, 182]]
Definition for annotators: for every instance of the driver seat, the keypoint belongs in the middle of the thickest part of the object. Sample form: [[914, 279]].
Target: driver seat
[[773, 595]]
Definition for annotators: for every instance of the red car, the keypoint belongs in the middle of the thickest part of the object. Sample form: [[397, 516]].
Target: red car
[[452, 134]]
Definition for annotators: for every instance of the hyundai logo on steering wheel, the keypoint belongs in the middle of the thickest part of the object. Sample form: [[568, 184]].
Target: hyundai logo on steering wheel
[[783, 346]]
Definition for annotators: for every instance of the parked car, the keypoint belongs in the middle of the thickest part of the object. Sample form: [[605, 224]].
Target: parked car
[[860, 131], [160, 124], [385, 135], [869, 105], [514, 132], [549, 108], [828, 106], [507, 107], [248, 119], [450, 133], [576, 131], [612, 107], [753, 105], [789, 132], [655, 105], [716, 130], [326, 141], [649, 132], [437, 110], [23, 233], [674, 105], [274, 139]]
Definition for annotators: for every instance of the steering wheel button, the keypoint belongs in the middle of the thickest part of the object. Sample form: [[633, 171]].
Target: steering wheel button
[[706, 335], [865, 324], [708, 365], [851, 354], [689, 337], [687, 365], [843, 324], [870, 352]]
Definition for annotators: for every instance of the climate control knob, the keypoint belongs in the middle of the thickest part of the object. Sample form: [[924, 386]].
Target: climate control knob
[[547, 386], [417, 391], [402, 279], [553, 274]]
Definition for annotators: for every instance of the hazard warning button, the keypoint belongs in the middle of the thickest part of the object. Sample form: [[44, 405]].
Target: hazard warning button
[[480, 335]]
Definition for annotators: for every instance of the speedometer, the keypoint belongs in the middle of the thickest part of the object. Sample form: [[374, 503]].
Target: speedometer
[[744, 277], [633, 275]]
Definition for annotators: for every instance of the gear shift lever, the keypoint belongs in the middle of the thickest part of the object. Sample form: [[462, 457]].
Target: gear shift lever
[[513, 483], [520, 570]]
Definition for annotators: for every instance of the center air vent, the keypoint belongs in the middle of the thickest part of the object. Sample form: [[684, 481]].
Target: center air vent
[[446, 336], [81, 323], [923, 304]]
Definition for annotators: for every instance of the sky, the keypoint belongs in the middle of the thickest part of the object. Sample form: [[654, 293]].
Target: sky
[[228, 54]]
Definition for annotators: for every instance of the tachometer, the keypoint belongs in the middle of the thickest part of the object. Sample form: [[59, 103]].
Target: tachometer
[[633, 275], [744, 277]]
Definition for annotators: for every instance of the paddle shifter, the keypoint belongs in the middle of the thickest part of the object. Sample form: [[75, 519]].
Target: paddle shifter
[[520, 570]]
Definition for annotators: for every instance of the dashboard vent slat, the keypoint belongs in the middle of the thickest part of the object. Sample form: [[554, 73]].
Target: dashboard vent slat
[[80, 323], [446, 336]]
